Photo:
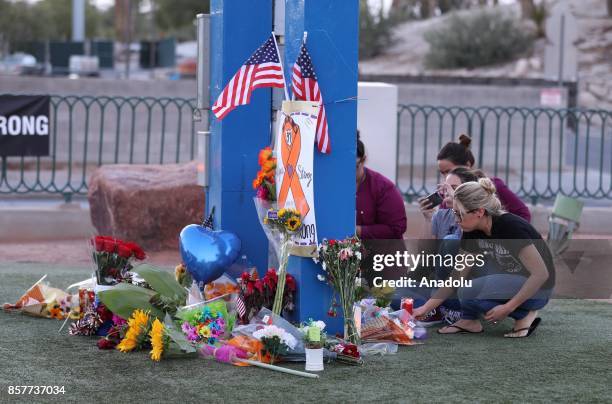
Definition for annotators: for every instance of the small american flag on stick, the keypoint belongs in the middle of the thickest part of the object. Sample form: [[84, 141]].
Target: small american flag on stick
[[306, 88], [240, 307], [262, 69]]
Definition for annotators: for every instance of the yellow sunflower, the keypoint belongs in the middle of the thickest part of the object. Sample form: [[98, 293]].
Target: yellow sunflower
[[157, 340], [136, 325], [293, 224]]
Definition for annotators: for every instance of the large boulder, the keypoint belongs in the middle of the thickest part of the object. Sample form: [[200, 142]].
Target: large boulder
[[147, 204]]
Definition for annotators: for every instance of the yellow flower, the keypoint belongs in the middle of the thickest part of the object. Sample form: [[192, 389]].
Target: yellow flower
[[136, 325], [157, 340], [293, 224], [281, 212], [204, 332]]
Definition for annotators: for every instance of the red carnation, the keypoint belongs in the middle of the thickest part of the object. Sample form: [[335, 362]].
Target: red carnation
[[332, 242], [259, 285], [104, 343], [249, 288], [245, 277], [290, 283], [351, 350]]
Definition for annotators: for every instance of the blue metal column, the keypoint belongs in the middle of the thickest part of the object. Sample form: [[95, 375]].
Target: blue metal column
[[237, 30], [332, 42]]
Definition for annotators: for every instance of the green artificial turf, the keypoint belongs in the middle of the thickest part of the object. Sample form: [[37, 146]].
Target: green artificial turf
[[569, 359]]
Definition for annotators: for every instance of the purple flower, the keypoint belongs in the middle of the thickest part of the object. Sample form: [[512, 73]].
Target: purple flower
[[190, 331]]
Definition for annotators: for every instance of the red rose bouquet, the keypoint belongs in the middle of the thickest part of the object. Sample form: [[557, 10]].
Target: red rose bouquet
[[113, 258]]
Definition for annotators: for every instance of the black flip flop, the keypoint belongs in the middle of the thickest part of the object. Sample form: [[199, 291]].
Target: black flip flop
[[530, 330], [461, 330]]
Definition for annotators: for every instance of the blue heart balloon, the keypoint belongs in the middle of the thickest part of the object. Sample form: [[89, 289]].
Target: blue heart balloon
[[207, 253]]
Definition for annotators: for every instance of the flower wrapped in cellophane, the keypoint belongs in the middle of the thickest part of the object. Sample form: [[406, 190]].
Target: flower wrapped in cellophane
[[279, 225], [113, 258], [206, 323], [340, 261]]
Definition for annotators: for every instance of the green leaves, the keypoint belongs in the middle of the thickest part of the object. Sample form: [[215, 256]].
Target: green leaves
[[162, 282], [124, 298], [166, 295]]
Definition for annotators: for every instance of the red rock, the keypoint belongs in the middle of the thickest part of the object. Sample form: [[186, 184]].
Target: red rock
[[147, 204]]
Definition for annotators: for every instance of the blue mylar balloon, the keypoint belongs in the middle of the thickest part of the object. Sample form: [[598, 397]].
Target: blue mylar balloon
[[207, 253]]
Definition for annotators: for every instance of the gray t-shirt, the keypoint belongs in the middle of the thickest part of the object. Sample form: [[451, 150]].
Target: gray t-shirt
[[443, 223]]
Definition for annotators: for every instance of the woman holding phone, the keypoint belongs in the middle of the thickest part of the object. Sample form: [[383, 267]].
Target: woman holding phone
[[519, 275], [458, 154]]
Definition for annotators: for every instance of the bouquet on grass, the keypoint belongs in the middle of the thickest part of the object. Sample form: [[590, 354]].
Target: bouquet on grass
[[206, 323], [143, 315], [340, 260], [276, 341], [113, 258], [143, 331]]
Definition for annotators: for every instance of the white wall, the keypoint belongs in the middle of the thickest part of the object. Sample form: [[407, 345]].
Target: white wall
[[377, 123]]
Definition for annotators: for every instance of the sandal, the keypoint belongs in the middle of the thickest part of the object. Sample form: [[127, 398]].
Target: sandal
[[461, 330], [530, 330]]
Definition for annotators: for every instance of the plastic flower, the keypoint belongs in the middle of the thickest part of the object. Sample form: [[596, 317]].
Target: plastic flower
[[157, 339], [190, 331], [137, 324], [204, 332]]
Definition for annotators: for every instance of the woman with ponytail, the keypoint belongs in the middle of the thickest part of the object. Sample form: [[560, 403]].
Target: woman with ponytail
[[458, 154], [513, 273]]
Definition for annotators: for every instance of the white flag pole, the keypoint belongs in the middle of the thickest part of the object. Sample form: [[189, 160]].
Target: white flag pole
[[282, 68]]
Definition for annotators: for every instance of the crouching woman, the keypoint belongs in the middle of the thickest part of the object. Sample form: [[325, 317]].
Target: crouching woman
[[518, 276]]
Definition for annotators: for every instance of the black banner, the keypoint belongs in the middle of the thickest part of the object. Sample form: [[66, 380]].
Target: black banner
[[24, 125]]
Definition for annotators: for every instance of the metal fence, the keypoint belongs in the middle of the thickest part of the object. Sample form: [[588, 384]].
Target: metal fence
[[538, 152], [87, 132]]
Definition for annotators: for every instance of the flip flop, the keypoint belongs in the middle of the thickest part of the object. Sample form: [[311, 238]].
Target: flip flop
[[530, 330], [461, 330]]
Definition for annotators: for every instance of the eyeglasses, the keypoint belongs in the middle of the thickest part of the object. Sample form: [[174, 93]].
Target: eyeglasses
[[459, 215]]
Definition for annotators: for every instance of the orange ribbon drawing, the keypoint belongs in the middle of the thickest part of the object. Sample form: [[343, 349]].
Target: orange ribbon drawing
[[290, 153]]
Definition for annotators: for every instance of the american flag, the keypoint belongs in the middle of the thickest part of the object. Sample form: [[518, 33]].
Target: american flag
[[306, 88], [262, 69], [240, 307]]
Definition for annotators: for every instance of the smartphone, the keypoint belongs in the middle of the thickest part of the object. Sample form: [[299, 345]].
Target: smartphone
[[434, 199]]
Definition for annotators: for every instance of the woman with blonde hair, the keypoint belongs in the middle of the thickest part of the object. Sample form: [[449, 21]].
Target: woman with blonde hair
[[518, 277]]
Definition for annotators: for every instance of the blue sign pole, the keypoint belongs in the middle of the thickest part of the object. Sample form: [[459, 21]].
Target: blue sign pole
[[332, 42], [236, 32]]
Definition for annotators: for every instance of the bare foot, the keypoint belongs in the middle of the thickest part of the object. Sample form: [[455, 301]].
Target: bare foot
[[469, 325], [524, 324]]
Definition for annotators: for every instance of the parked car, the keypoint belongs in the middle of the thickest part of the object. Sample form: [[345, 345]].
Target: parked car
[[21, 64]]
